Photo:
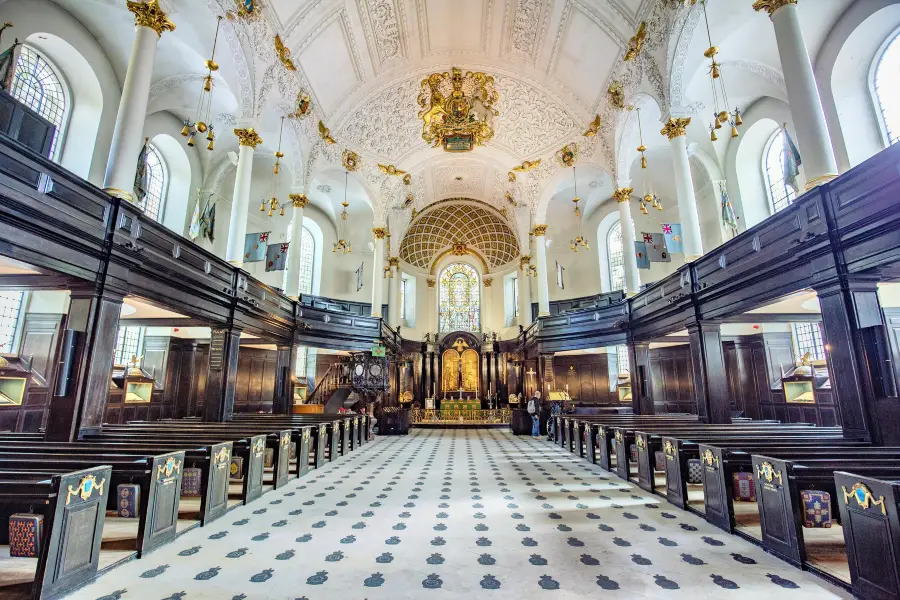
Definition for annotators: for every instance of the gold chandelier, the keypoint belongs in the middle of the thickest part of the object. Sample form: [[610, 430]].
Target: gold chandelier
[[343, 245], [276, 169], [642, 148], [580, 240], [720, 97], [457, 110], [201, 123]]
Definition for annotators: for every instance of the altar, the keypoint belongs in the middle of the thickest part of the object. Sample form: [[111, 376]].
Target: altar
[[460, 405]]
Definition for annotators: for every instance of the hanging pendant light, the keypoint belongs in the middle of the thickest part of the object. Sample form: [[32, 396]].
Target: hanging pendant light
[[202, 122], [274, 204], [342, 244], [642, 148], [720, 95], [580, 240]]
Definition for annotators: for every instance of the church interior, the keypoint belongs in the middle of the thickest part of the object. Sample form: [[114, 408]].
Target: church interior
[[306, 299]]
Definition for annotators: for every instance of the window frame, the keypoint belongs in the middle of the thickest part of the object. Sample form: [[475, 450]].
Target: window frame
[[164, 187], [874, 96], [614, 269], [791, 193], [817, 342], [62, 127], [16, 339], [472, 272], [117, 350]]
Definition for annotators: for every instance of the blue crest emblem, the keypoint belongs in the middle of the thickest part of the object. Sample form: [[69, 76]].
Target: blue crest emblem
[[392, 541], [529, 542], [241, 522], [154, 572], [260, 537], [286, 555], [208, 574], [606, 583], [486, 559], [218, 536], [432, 582], [489, 582], [374, 580], [387, 557], [190, 551], [317, 579], [537, 560], [482, 541], [236, 553], [435, 559], [264, 575], [348, 539], [438, 541], [548, 583], [304, 538], [335, 557]]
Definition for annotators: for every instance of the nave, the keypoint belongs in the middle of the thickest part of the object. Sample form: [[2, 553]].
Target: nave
[[452, 512]]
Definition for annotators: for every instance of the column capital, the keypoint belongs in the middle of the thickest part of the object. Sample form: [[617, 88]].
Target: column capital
[[524, 260], [622, 194], [488, 281], [299, 200], [675, 127], [770, 6], [248, 137], [431, 282], [394, 261], [149, 14], [540, 230], [379, 232]]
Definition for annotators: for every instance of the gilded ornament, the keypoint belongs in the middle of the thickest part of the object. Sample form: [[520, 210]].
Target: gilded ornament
[[619, 437], [407, 179], [540, 230], [391, 170], [675, 127], [669, 448], [457, 110], [284, 55], [511, 177], [636, 42], [350, 160], [246, 9], [622, 194], [325, 133], [770, 6], [710, 459], [863, 496], [85, 488], [460, 249], [379, 232], [767, 471], [408, 200], [488, 281], [526, 166], [567, 155], [394, 261], [431, 282], [299, 200], [285, 439], [259, 447], [248, 137], [640, 442], [616, 95], [524, 261], [149, 14], [222, 456], [510, 199], [593, 127], [304, 103]]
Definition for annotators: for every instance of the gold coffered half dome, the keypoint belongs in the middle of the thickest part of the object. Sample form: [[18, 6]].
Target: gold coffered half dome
[[458, 222]]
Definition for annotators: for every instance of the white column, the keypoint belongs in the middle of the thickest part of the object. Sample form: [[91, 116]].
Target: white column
[[675, 130], [128, 136], [378, 271], [240, 202], [487, 304], [524, 291], [541, 262], [394, 292], [813, 140], [629, 260], [291, 283]]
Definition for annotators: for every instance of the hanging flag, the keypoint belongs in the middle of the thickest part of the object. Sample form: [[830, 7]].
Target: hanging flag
[[255, 247], [140, 176], [359, 277], [208, 221], [672, 233], [729, 219], [194, 229], [656, 247], [640, 254], [8, 61], [792, 161], [276, 256]]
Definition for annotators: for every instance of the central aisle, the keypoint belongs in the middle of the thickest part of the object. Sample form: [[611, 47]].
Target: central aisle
[[452, 513]]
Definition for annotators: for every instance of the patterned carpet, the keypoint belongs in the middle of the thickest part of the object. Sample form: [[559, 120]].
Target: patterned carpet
[[451, 513]]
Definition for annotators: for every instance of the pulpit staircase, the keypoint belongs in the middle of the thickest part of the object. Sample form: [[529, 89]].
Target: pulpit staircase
[[334, 390]]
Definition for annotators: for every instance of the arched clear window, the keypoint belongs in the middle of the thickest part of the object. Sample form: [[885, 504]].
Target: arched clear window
[[616, 255], [780, 193], [460, 299], [307, 258], [37, 85], [886, 88], [157, 184]]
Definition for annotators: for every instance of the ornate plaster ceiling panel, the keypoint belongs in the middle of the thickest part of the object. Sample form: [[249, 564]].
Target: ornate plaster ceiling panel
[[459, 222], [585, 56], [531, 122], [458, 178], [524, 26], [384, 22], [454, 27], [330, 61]]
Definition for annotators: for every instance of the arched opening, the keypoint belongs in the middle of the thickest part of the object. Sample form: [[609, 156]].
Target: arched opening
[[616, 257], [38, 85], [780, 189], [179, 193], [459, 306], [886, 89], [157, 184]]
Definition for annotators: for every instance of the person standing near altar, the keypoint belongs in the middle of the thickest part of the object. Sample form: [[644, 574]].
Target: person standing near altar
[[534, 409]]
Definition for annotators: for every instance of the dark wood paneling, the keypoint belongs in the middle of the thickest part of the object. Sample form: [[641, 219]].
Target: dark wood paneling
[[588, 380], [671, 380]]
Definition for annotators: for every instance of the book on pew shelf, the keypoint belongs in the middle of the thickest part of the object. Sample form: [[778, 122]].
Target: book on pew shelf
[[237, 467], [25, 535], [128, 498], [695, 471], [744, 487], [659, 458], [190, 482], [633, 452], [816, 508], [270, 457]]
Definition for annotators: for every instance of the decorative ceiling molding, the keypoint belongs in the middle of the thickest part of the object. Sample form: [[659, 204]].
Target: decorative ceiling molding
[[595, 17], [346, 29], [458, 177], [384, 24], [459, 221], [173, 82], [422, 13], [524, 28], [773, 76], [689, 22]]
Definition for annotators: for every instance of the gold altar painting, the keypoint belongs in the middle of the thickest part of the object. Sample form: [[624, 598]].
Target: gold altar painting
[[451, 363]]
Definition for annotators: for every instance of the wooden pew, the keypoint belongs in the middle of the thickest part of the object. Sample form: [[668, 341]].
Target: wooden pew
[[73, 505], [333, 437]]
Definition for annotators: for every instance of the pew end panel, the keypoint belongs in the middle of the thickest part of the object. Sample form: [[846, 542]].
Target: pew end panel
[[162, 496], [778, 515], [256, 461], [214, 488], [717, 498], [871, 527]]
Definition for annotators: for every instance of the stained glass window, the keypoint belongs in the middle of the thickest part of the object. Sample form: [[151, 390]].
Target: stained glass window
[[887, 90], [460, 299], [780, 193], [37, 85], [615, 250], [157, 184]]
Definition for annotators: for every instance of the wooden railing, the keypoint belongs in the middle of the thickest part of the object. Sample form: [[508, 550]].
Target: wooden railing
[[327, 385], [501, 416]]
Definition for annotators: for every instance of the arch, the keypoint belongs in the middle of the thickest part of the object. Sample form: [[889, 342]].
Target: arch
[[603, 228], [318, 239], [562, 181], [780, 194], [628, 132], [885, 87], [459, 298], [38, 84], [615, 256], [157, 184]]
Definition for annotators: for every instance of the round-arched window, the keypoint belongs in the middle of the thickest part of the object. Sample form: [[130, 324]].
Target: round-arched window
[[37, 85], [616, 255], [460, 299], [157, 184], [886, 89], [780, 193], [307, 257]]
